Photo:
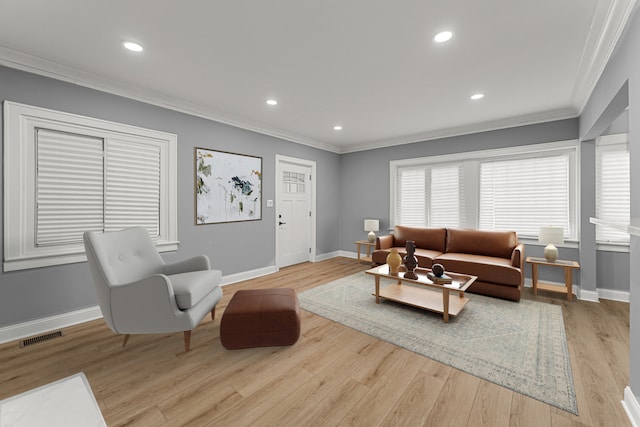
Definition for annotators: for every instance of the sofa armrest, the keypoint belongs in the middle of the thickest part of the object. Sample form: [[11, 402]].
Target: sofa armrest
[[517, 256], [384, 242]]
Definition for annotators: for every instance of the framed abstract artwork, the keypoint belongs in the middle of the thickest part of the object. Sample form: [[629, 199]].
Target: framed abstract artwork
[[228, 187]]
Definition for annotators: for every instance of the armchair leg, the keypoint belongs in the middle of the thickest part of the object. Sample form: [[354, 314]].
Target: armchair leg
[[213, 313], [126, 338], [187, 340]]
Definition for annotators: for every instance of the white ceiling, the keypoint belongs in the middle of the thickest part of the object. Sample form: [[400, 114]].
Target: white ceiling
[[368, 65]]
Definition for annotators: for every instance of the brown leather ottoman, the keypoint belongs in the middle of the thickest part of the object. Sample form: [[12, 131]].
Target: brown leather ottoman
[[260, 318]]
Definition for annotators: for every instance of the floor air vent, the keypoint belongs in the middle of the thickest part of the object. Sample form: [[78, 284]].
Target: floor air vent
[[40, 338]]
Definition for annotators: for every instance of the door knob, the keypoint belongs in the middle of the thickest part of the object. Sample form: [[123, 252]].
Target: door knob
[[281, 223]]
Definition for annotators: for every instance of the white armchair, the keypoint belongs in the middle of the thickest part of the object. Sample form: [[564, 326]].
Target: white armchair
[[139, 294]]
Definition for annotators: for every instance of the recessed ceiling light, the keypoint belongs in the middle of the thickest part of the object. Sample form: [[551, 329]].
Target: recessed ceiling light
[[132, 46], [272, 102], [477, 96], [337, 127], [442, 36]]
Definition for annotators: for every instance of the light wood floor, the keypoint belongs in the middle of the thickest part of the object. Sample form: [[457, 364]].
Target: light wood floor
[[332, 376]]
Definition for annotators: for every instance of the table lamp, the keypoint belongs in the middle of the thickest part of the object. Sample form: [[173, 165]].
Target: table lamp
[[371, 225], [551, 236]]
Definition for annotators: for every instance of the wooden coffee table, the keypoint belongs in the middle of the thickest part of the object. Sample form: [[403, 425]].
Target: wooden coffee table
[[424, 294]]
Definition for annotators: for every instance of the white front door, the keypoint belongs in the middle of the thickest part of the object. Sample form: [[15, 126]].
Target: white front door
[[294, 213]]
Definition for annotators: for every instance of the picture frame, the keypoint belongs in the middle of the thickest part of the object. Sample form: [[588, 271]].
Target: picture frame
[[228, 187]]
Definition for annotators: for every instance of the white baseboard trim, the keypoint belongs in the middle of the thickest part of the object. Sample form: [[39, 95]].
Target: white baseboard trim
[[46, 324], [347, 254], [631, 407], [584, 295], [614, 295], [39, 326], [246, 275], [328, 255]]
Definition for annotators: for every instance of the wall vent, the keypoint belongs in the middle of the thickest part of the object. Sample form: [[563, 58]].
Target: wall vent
[[40, 338]]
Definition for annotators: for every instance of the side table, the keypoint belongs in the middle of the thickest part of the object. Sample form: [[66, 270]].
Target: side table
[[568, 266], [359, 244]]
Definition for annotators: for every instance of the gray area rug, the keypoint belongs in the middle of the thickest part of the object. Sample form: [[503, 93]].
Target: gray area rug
[[521, 346]]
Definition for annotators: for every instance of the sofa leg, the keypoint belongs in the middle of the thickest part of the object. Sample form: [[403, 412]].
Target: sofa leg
[[187, 340], [126, 338], [213, 313]]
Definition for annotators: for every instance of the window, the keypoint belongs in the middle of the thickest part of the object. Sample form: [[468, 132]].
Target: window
[[612, 187], [430, 195], [293, 182], [520, 188], [66, 174], [523, 194]]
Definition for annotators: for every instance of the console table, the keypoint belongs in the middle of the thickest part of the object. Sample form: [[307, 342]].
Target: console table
[[568, 266]]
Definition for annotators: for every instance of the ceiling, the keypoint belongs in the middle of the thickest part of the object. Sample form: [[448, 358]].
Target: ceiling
[[370, 66]]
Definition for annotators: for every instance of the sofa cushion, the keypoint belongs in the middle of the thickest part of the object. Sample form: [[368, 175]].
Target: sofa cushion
[[425, 257], [479, 242], [425, 238], [488, 269], [189, 288]]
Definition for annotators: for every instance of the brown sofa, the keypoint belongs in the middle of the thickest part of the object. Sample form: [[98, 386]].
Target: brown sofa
[[495, 257]]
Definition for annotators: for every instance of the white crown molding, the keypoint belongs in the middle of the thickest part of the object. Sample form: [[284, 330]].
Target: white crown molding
[[22, 61], [600, 46], [510, 122], [31, 64], [607, 28]]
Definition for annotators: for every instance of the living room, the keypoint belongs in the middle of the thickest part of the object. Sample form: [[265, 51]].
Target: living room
[[351, 186]]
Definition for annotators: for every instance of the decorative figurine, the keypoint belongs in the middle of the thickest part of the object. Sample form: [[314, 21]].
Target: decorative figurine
[[410, 261]]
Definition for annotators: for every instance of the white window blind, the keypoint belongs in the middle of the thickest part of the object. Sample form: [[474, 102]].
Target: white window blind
[[526, 193], [429, 196], [411, 197], [132, 186], [69, 187], [612, 190], [445, 196], [77, 191]]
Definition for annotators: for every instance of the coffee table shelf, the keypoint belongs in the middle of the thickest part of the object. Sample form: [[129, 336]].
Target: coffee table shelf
[[422, 292], [422, 298]]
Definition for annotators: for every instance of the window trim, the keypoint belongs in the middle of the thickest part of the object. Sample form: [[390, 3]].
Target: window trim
[[20, 120], [471, 161]]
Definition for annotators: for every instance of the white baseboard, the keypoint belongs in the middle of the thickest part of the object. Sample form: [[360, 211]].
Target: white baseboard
[[614, 295], [591, 296], [584, 295], [246, 275], [46, 324], [631, 407], [347, 254], [328, 255], [39, 326]]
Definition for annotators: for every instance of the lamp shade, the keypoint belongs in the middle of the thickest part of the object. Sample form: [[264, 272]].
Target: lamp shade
[[551, 235], [371, 225]]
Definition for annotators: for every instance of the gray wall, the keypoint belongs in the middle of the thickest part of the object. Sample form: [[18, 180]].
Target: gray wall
[[233, 248], [366, 189], [350, 187], [618, 86]]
